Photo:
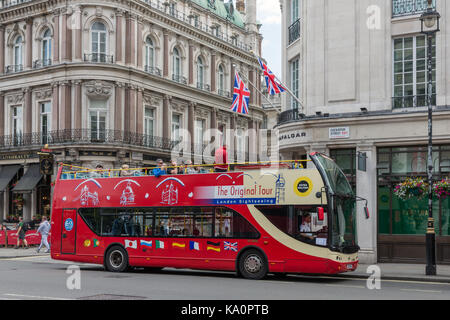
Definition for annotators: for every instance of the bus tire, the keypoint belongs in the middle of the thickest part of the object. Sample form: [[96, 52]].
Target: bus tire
[[253, 265], [116, 259]]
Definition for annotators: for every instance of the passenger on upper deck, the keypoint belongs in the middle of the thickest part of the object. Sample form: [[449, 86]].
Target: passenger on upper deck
[[174, 168], [160, 170], [125, 172], [189, 169], [221, 159]]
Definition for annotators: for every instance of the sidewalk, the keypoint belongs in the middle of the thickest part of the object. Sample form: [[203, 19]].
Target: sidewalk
[[10, 252], [400, 271]]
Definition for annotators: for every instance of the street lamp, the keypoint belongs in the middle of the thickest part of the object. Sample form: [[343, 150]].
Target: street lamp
[[430, 26]]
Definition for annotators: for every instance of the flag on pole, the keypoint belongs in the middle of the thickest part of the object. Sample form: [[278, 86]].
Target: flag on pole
[[273, 86], [241, 96]]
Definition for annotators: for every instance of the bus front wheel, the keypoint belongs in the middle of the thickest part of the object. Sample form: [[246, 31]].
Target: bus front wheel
[[252, 265], [116, 259]]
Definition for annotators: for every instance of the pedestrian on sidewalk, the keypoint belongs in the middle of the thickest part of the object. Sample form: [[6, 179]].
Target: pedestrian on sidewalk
[[44, 229], [21, 234]]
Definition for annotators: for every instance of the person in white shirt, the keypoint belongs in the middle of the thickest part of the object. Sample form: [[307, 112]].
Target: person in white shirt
[[305, 228]]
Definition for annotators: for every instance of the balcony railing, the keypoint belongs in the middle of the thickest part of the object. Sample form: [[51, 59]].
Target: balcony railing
[[203, 86], [179, 79], [14, 68], [412, 101], [294, 31], [289, 115], [224, 93], [42, 63], [86, 136], [409, 7], [98, 58], [10, 3], [153, 70]]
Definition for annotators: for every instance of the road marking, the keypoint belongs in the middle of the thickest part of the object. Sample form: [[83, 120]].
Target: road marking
[[344, 286], [425, 291], [387, 280], [22, 258], [33, 297]]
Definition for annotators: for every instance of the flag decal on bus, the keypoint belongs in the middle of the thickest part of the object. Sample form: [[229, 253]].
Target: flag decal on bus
[[193, 245], [215, 246], [230, 246], [178, 245], [159, 244]]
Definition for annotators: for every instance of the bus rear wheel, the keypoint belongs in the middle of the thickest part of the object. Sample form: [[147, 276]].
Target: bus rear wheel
[[116, 259], [252, 265]]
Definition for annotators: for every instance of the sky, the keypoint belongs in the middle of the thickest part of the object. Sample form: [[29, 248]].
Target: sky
[[269, 14]]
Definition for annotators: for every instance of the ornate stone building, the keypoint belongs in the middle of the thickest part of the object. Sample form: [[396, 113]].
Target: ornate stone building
[[115, 82]]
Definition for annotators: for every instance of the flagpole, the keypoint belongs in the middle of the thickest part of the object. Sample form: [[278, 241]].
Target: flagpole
[[246, 79], [284, 86]]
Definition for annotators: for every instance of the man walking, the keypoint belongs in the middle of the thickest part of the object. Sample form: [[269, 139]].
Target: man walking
[[21, 234], [44, 229]]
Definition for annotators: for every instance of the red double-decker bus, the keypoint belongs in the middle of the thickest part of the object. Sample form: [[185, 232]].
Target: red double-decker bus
[[253, 220]]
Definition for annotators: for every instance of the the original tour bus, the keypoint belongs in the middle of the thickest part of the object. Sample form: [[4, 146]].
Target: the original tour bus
[[253, 220]]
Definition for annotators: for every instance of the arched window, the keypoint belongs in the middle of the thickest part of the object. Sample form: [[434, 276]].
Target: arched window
[[176, 65], [221, 80], [98, 35], [18, 52], [200, 73], [149, 54], [47, 48]]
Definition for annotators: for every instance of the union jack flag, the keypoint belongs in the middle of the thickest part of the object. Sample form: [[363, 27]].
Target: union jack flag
[[273, 86], [228, 246], [241, 96]]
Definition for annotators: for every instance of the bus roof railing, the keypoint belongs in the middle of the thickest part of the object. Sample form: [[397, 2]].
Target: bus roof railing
[[77, 172]]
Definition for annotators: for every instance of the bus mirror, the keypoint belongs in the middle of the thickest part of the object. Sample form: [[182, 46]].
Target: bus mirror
[[366, 211], [320, 214]]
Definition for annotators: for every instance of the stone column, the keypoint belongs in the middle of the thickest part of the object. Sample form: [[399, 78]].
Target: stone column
[[213, 72], [130, 40], [65, 116], [119, 42], [78, 36], [2, 49], [140, 43], [77, 105], [232, 140], [119, 111], [366, 187], [33, 201], [133, 109], [29, 43], [191, 127], [232, 75], [55, 42], [5, 204], [2, 114], [126, 111], [191, 62], [166, 112], [140, 111], [251, 78], [166, 53], [55, 107], [64, 37]]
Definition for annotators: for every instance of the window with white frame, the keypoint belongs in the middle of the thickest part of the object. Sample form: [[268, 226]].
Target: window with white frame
[[18, 54], [176, 65], [17, 123], [176, 127], [295, 81], [199, 131], [221, 80], [45, 120], [240, 144], [294, 10], [200, 73], [149, 121], [410, 72], [98, 115], [98, 36], [149, 54], [47, 48]]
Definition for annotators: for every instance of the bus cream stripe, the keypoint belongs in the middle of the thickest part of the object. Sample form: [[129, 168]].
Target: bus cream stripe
[[296, 245]]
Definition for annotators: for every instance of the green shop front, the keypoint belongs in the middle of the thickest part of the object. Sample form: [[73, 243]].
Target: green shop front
[[402, 223]]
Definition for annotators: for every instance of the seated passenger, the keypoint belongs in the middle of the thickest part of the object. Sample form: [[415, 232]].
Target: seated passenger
[[125, 172], [189, 169], [173, 168], [159, 170]]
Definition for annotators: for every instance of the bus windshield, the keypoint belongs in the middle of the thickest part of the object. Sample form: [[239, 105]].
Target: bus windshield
[[342, 203]]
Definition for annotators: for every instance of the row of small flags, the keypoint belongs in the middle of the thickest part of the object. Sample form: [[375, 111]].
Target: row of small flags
[[241, 94], [193, 245]]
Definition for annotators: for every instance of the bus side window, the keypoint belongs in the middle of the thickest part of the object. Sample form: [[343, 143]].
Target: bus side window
[[230, 224], [162, 222]]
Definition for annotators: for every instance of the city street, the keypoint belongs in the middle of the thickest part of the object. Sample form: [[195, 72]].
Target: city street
[[40, 278]]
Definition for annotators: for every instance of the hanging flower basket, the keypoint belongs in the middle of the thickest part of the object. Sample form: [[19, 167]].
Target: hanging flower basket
[[415, 188], [442, 189]]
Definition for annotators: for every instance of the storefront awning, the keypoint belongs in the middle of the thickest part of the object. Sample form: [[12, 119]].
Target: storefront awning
[[7, 173], [29, 180]]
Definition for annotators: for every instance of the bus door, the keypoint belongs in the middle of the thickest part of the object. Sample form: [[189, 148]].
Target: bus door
[[69, 226]]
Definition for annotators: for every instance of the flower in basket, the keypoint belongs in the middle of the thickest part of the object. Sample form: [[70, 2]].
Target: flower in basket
[[442, 189], [411, 188]]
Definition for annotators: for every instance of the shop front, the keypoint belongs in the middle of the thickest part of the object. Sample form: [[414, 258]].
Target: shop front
[[402, 223]]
